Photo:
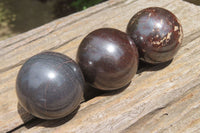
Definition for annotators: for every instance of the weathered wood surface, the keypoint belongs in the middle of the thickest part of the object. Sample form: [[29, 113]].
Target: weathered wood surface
[[159, 99]]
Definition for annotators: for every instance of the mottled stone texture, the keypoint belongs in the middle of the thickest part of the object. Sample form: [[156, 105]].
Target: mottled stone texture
[[50, 85], [108, 58], [157, 33]]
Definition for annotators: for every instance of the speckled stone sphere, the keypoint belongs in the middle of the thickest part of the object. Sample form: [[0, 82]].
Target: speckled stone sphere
[[108, 58], [157, 33], [50, 85]]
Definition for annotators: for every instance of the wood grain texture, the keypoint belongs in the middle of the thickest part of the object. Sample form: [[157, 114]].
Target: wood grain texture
[[181, 115], [157, 100]]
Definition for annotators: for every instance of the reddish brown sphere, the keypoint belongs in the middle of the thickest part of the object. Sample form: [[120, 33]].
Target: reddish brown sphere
[[157, 33], [108, 59]]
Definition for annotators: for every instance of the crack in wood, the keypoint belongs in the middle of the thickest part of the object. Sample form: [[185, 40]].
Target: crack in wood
[[22, 61], [154, 112]]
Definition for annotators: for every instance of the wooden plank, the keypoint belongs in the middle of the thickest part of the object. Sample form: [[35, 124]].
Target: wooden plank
[[16, 50], [158, 91], [181, 115], [149, 91]]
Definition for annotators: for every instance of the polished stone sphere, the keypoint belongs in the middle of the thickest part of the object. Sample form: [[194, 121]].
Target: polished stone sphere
[[108, 58], [157, 33], [50, 85]]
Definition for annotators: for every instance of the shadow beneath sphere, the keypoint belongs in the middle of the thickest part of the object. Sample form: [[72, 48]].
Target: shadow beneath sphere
[[31, 121], [91, 92], [28, 119], [143, 66], [58, 122], [25, 116], [115, 92]]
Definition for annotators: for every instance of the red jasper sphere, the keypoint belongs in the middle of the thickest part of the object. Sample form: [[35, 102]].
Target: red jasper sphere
[[157, 33], [108, 58]]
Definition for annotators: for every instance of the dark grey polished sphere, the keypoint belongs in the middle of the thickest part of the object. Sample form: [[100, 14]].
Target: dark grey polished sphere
[[50, 85]]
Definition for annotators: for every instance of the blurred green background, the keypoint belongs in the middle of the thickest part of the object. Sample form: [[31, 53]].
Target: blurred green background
[[18, 16]]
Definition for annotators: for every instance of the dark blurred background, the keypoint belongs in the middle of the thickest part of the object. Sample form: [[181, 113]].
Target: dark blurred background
[[18, 16]]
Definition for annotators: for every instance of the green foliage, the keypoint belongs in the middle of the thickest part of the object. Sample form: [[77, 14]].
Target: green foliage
[[6, 16], [84, 4]]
